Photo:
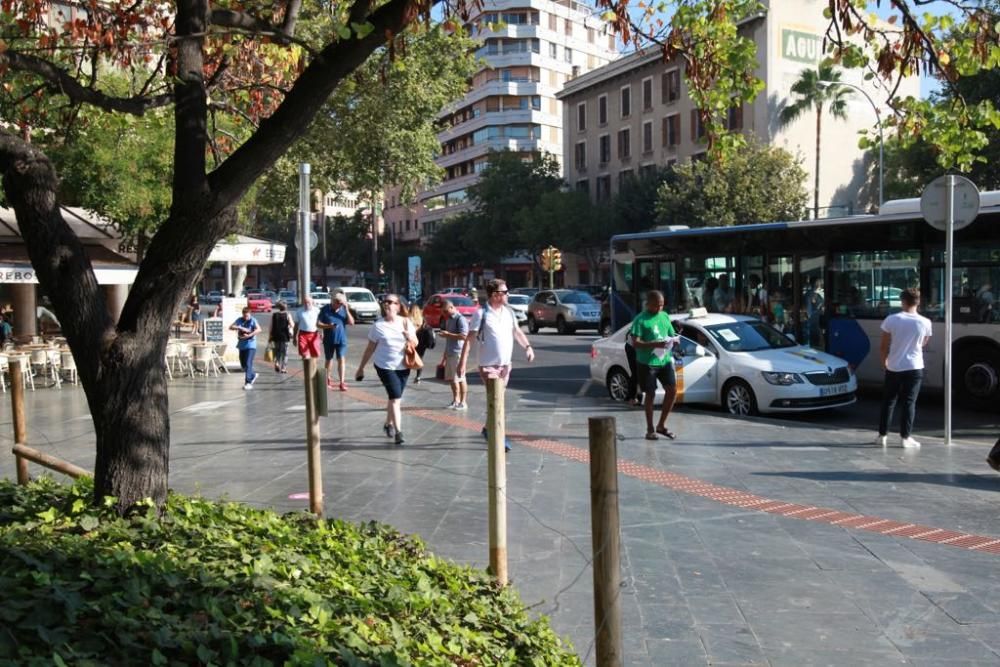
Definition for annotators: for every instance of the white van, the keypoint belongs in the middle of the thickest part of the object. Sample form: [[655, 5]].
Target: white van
[[362, 303]]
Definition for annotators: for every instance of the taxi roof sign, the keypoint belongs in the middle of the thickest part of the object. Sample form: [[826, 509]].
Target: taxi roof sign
[[699, 312]]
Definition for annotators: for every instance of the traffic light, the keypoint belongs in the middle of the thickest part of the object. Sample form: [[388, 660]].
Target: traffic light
[[555, 260], [545, 259]]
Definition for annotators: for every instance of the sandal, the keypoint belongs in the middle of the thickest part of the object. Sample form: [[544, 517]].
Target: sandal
[[662, 430], [650, 436]]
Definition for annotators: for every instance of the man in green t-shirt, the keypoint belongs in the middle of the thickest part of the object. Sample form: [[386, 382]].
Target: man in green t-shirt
[[653, 336]]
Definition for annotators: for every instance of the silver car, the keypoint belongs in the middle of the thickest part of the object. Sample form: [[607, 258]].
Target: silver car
[[565, 309]]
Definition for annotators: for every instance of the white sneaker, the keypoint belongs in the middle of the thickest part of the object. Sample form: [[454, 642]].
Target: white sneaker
[[461, 406], [247, 386], [881, 440], [451, 406], [909, 443]]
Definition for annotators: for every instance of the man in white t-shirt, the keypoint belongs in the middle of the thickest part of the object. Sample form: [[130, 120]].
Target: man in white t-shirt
[[904, 336], [496, 340]]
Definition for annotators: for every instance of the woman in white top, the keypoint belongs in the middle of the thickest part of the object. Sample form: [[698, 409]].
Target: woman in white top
[[387, 341]]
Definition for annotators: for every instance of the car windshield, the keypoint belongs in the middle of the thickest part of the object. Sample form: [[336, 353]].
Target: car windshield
[[748, 336], [460, 301], [320, 295], [518, 299], [581, 298], [366, 297]]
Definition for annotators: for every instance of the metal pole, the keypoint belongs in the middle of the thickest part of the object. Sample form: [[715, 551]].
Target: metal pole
[[497, 463], [949, 221], [605, 536], [375, 213], [309, 363]]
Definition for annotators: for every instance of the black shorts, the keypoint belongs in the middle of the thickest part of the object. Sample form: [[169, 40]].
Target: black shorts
[[647, 377], [393, 381]]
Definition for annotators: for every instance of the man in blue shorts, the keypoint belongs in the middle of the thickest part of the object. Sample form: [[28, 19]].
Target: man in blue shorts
[[653, 337]]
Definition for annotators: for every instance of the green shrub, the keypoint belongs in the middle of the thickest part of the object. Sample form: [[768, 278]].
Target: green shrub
[[222, 583]]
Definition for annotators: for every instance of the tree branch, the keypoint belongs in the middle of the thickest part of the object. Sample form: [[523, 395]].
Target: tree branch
[[291, 16], [77, 92]]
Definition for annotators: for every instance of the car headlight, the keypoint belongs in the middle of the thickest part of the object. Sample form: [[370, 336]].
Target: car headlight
[[783, 379]]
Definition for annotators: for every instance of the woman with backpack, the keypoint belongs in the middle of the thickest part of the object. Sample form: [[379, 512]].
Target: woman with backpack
[[425, 335], [281, 335]]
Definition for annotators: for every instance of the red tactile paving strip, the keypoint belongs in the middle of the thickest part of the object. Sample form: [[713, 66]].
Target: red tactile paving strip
[[722, 494]]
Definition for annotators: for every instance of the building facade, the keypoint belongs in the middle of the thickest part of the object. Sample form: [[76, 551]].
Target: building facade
[[635, 114], [529, 49]]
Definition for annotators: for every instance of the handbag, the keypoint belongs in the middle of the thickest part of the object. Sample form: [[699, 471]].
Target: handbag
[[439, 371], [269, 353], [411, 358]]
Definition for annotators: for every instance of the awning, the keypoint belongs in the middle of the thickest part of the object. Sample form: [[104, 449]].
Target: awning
[[248, 250], [109, 267]]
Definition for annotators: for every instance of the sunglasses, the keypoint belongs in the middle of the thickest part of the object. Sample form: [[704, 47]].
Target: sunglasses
[[392, 303], [501, 291]]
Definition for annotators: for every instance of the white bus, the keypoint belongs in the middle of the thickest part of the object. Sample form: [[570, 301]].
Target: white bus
[[829, 283]]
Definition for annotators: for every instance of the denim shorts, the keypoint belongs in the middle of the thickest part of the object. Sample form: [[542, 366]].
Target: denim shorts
[[393, 381], [334, 349], [648, 376]]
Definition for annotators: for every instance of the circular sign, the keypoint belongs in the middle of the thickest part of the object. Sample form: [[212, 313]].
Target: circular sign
[[313, 240], [964, 203]]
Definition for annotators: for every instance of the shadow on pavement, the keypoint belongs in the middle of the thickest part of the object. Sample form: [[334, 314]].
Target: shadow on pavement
[[965, 481]]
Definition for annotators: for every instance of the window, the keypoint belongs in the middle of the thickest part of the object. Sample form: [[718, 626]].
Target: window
[[603, 188], [605, 148], [602, 110], [697, 128], [583, 186], [580, 156], [553, 22], [672, 130], [590, 35], [623, 176], [647, 137], [553, 50], [670, 86], [647, 94], [734, 118], [626, 101], [868, 284], [536, 102], [568, 55], [568, 28], [624, 143], [407, 225], [581, 116]]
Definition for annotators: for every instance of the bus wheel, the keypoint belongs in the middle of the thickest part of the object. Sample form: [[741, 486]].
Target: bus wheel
[[738, 399], [532, 324], [617, 384], [977, 376]]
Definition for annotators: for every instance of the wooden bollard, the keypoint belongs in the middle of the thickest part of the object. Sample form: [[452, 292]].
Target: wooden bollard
[[606, 541], [17, 408], [25, 453], [497, 461], [312, 437]]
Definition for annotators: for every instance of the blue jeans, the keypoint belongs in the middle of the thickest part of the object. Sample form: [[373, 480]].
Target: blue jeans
[[904, 386], [246, 363]]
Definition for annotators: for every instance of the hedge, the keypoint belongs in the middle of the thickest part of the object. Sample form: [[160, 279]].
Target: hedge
[[221, 583]]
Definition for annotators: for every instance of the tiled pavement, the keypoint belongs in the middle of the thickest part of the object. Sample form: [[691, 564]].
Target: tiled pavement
[[744, 541]]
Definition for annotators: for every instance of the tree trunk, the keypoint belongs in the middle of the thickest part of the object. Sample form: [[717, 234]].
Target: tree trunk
[[819, 121], [132, 422]]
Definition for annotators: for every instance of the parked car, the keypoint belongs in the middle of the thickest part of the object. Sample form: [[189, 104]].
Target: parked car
[[738, 362], [362, 303], [321, 299], [258, 302], [289, 296], [529, 291], [519, 304], [433, 307], [213, 297], [566, 310]]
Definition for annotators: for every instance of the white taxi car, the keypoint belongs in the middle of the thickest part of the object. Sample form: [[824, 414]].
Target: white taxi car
[[739, 362]]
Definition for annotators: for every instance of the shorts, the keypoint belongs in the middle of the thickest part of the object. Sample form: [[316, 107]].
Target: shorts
[[451, 368], [331, 349], [393, 381], [647, 377], [309, 344], [502, 372]]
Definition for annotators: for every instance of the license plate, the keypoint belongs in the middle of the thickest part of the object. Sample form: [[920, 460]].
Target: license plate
[[834, 390]]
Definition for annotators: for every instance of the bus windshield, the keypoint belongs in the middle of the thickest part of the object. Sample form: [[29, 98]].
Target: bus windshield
[[748, 336]]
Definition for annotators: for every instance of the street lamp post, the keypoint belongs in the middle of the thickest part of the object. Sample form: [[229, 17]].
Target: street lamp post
[[878, 121]]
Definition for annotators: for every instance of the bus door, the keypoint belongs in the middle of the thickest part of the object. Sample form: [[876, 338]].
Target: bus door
[[812, 301], [780, 285]]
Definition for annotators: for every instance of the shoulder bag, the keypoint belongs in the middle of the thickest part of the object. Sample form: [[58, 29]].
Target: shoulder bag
[[410, 356]]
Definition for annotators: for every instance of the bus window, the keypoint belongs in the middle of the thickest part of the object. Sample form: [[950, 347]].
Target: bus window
[[812, 322], [780, 291], [668, 285], [645, 279], [975, 290], [753, 297]]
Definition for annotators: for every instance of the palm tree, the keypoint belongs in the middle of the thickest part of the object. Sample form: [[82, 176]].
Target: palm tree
[[816, 89]]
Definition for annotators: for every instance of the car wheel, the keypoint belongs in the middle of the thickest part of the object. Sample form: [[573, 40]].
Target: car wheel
[[562, 327], [532, 324], [605, 329], [976, 376], [617, 384], [738, 399]]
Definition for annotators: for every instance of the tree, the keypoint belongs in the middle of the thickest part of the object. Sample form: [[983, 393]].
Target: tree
[[634, 207], [760, 184], [206, 62], [814, 93]]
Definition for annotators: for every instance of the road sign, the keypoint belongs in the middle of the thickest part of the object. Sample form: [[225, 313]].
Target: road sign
[[313, 240], [965, 203]]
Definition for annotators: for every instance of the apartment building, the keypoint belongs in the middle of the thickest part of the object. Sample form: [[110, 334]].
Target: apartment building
[[635, 114], [530, 49]]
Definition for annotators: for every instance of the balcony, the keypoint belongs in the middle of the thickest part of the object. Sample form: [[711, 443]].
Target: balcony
[[499, 144], [508, 117]]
